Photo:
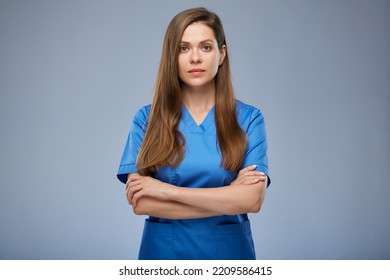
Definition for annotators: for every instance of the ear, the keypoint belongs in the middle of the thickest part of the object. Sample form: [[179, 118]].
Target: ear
[[223, 55]]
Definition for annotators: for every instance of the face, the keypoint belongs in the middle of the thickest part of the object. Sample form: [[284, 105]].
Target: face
[[199, 57]]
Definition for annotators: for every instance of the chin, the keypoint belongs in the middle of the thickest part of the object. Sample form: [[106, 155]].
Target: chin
[[197, 84]]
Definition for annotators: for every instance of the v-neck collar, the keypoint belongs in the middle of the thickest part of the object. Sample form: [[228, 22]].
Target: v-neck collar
[[191, 124]]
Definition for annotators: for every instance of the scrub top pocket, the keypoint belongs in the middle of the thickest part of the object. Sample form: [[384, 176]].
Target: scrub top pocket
[[234, 242], [157, 241]]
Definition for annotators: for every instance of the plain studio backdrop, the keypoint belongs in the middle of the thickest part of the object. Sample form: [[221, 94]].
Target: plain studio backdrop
[[73, 74]]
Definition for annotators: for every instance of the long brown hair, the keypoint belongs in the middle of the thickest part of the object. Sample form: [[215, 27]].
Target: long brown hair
[[163, 143]]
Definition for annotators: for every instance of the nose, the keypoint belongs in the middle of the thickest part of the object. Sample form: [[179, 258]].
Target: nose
[[195, 57]]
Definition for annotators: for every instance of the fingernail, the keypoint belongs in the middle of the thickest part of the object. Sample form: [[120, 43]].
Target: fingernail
[[254, 165]]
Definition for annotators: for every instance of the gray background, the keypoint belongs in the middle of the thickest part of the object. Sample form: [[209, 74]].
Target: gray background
[[73, 73]]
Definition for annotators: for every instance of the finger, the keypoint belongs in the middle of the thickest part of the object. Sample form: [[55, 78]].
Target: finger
[[133, 190], [260, 178], [253, 181], [133, 184], [248, 168], [129, 196], [134, 176], [248, 180], [131, 178], [135, 198], [127, 182], [134, 202], [250, 175], [128, 186], [257, 174]]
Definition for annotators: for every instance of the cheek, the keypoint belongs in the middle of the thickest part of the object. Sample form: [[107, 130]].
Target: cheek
[[181, 69], [215, 65], [181, 64], [216, 61]]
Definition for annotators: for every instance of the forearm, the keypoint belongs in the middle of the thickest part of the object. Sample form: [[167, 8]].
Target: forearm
[[244, 195], [169, 209], [229, 200]]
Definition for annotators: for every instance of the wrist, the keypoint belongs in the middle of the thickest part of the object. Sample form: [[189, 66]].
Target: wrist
[[172, 192], [168, 190]]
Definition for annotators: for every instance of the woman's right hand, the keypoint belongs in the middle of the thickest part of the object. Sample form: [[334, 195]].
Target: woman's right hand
[[249, 175]]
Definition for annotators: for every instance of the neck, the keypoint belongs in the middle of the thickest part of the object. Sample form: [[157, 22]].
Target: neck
[[200, 98]]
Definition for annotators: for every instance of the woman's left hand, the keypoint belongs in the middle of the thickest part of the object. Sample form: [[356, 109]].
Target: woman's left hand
[[249, 176], [138, 186]]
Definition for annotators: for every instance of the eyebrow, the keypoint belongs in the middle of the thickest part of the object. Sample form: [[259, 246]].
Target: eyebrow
[[202, 42]]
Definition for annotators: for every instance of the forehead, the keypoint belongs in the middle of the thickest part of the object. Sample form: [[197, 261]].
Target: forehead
[[197, 32]]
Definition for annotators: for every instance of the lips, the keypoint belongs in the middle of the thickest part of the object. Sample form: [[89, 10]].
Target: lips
[[196, 70]]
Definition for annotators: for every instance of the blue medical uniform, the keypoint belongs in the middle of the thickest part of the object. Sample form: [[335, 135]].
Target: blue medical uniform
[[218, 237]]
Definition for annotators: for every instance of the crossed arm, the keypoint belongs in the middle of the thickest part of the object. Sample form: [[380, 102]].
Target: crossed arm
[[149, 196]]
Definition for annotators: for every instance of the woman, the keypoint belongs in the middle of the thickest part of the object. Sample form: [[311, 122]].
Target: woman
[[196, 159]]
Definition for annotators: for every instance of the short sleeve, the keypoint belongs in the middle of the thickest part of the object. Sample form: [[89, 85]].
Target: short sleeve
[[256, 152], [133, 144]]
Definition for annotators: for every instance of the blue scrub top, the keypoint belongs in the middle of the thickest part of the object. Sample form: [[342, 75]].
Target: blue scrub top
[[219, 237]]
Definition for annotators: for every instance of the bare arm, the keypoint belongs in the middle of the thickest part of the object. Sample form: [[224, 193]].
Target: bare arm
[[245, 194], [170, 209], [167, 209], [229, 200]]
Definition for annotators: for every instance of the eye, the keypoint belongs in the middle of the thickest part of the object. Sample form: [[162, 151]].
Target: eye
[[183, 48], [206, 48]]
